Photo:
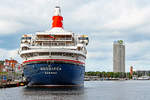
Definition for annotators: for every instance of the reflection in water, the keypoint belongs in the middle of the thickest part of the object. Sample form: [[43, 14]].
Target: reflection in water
[[54, 93], [93, 90]]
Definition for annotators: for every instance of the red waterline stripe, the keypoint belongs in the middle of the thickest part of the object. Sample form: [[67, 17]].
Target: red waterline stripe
[[55, 60]]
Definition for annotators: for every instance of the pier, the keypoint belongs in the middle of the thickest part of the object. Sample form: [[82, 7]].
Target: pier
[[12, 84]]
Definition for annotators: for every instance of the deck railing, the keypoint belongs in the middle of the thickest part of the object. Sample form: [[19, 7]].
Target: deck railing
[[51, 39]]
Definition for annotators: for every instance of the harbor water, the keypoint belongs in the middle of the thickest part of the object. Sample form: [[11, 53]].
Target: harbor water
[[93, 90]]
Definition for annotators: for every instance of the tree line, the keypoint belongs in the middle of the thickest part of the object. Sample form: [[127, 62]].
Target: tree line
[[113, 74]]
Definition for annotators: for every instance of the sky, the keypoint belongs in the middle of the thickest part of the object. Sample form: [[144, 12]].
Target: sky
[[104, 21]]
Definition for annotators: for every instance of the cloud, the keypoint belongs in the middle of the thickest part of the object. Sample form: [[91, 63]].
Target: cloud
[[131, 18], [27, 16], [113, 15], [100, 55], [138, 55], [139, 48], [9, 27], [9, 54], [104, 21], [92, 16]]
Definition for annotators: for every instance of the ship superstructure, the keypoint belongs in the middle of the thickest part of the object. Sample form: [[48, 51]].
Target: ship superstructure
[[54, 57]]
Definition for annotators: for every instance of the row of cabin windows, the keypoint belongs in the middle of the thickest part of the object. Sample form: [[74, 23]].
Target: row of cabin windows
[[47, 38], [83, 38], [53, 44], [63, 38], [53, 54], [26, 38], [56, 44], [48, 44], [26, 42], [26, 48]]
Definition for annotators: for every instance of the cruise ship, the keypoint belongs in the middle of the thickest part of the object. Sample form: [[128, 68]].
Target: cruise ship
[[55, 57]]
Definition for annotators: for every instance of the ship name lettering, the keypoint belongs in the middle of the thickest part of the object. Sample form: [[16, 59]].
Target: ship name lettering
[[50, 68], [50, 72]]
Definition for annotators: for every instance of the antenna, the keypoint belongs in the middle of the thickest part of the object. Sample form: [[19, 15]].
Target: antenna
[[59, 3]]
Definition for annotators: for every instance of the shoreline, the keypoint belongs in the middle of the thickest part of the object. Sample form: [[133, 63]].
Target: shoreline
[[118, 80]]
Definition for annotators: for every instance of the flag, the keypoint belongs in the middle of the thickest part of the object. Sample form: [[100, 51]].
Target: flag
[[52, 37]]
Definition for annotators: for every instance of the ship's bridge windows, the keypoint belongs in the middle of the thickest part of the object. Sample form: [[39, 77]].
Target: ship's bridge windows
[[86, 38], [83, 38], [23, 38], [27, 38]]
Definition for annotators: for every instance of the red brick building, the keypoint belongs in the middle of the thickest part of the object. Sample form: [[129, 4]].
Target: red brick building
[[1, 67]]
